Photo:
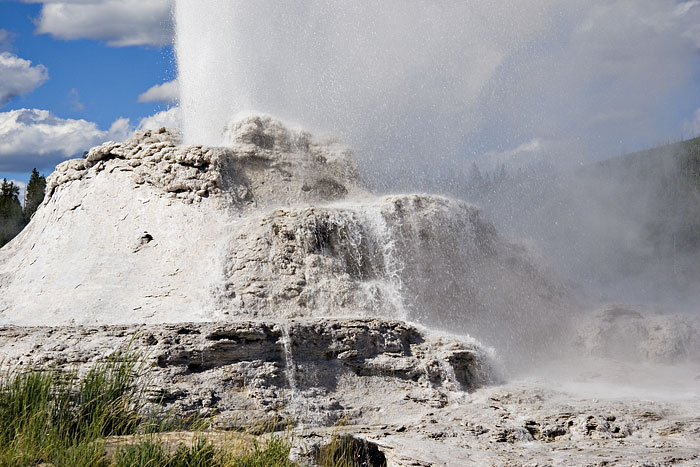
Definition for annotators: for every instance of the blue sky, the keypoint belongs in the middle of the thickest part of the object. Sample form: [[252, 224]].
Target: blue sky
[[543, 77], [105, 80], [87, 80]]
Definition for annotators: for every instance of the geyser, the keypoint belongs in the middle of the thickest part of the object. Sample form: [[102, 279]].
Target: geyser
[[415, 88], [420, 89], [277, 225], [395, 80], [262, 278]]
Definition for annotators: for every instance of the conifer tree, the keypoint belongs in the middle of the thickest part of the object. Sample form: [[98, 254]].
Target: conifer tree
[[35, 194], [11, 216]]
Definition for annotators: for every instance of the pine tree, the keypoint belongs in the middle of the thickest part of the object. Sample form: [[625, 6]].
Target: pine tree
[[35, 194], [11, 216]]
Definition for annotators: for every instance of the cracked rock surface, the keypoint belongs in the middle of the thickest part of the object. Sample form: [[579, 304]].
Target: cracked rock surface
[[250, 368], [421, 398]]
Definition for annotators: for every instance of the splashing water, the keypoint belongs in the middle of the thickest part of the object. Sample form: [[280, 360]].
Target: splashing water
[[409, 87], [389, 282]]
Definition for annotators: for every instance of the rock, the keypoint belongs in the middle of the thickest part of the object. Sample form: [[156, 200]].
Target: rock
[[290, 368], [263, 284], [275, 225], [634, 333]]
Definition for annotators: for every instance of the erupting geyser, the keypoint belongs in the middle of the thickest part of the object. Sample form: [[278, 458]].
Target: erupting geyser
[[382, 76], [276, 225], [253, 262]]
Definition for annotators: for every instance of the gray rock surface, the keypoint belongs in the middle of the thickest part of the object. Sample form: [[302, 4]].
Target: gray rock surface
[[275, 225], [307, 371], [422, 398]]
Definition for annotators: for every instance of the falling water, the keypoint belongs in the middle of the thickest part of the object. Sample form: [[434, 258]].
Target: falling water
[[388, 280], [415, 88], [448, 376], [290, 371]]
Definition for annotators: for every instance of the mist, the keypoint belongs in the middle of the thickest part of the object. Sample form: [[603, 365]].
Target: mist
[[538, 90], [625, 229], [426, 87]]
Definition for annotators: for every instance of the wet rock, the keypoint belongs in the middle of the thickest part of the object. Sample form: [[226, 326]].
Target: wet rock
[[194, 368]]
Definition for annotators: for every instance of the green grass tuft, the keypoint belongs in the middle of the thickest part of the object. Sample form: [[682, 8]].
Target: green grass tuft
[[51, 417], [55, 418], [152, 452]]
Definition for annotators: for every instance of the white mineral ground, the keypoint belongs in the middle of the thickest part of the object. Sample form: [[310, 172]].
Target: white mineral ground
[[263, 278]]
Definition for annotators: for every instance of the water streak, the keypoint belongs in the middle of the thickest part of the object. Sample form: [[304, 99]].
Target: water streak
[[290, 371]]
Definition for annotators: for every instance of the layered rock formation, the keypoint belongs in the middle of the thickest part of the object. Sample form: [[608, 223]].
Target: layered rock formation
[[417, 397], [273, 226], [312, 371]]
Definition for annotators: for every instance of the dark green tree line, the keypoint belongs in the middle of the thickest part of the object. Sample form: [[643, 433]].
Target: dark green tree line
[[13, 217], [35, 194]]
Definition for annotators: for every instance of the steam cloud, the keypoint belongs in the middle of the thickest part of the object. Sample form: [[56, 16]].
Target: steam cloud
[[422, 89], [432, 84]]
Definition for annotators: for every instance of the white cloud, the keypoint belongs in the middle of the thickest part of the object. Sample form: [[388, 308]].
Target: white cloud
[[18, 76], [37, 138], [117, 22], [76, 104], [167, 92], [168, 118]]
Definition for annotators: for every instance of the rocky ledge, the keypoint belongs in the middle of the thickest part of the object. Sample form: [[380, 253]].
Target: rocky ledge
[[417, 398], [311, 371], [263, 162]]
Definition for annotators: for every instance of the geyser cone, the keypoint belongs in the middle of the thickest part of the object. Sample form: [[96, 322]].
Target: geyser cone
[[275, 225]]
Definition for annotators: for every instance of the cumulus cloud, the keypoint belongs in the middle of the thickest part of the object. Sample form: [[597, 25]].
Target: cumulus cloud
[[18, 76], [167, 92], [167, 118], [37, 138], [117, 22]]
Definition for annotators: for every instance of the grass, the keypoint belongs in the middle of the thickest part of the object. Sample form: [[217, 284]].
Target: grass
[[347, 451], [50, 417], [150, 452]]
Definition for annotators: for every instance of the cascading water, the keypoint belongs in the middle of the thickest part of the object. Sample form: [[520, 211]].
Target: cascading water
[[290, 372], [301, 280], [387, 267], [389, 92]]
